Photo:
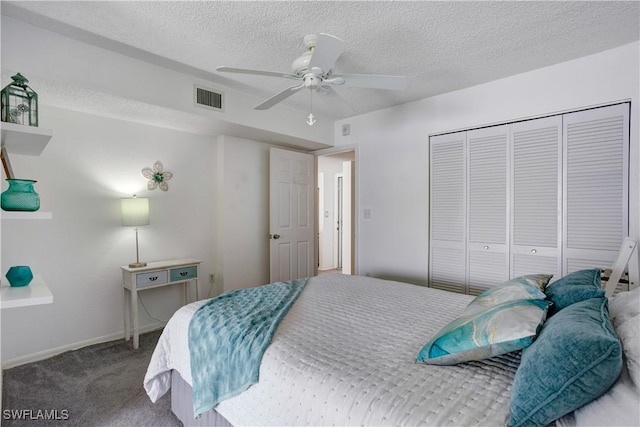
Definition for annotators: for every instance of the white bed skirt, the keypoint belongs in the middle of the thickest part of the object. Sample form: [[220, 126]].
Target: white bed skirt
[[182, 406]]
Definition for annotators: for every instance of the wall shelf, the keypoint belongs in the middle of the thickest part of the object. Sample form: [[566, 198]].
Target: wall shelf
[[35, 293], [30, 141], [27, 140]]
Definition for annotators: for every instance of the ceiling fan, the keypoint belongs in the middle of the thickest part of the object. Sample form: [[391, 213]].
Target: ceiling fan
[[314, 70]]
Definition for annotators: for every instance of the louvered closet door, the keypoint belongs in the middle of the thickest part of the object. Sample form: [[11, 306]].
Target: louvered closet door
[[596, 175], [536, 196], [447, 212], [487, 210]]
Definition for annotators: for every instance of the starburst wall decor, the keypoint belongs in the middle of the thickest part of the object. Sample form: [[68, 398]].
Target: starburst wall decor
[[157, 177]]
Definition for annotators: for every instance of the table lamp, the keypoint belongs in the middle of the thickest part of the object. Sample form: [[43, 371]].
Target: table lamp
[[135, 212]]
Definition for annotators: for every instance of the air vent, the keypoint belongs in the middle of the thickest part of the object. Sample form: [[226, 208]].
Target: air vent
[[208, 98]]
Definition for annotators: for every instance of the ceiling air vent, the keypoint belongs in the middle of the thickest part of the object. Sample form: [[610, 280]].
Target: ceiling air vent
[[208, 98]]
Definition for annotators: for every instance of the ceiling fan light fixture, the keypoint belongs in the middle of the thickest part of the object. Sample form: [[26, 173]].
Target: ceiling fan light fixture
[[311, 81], [324, 90]]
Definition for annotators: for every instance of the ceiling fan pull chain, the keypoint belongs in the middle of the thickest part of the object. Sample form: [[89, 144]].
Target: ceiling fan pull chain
[[310, 120]]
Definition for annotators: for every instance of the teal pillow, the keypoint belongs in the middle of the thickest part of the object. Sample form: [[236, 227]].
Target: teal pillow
[[523, 287], [497, 330], [574, 287], [575, 359]]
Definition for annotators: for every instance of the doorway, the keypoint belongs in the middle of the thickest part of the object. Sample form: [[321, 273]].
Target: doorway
[[336, 213]]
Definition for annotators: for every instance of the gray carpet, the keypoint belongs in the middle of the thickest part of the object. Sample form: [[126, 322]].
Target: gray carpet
[[100, 385]]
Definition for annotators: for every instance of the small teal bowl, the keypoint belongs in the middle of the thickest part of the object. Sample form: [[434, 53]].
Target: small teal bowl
[[19, 275]]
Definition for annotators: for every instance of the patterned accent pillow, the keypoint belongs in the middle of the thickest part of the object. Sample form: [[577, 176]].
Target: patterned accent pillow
[[574, 287], [523, 287], [497, 330], [576, 358]]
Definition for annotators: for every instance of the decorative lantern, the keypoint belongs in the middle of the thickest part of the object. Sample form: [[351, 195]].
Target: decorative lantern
[[19, 102]]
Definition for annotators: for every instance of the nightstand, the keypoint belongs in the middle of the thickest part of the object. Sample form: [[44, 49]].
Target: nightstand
[[154, 275]]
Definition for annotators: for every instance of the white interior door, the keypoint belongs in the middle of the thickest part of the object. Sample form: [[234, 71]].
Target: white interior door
[[291, 214]]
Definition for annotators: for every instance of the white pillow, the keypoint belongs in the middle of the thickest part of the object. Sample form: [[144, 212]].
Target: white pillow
[[624, 310], [624, 306], [617, 407]]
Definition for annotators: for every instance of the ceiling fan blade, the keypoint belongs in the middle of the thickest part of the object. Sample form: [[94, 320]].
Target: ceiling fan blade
[[257, 72], [279, 97], [325, 54], [369, 81]]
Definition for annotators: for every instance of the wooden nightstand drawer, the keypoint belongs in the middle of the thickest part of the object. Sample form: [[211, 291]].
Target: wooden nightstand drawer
[[151, 278], [183, 273]]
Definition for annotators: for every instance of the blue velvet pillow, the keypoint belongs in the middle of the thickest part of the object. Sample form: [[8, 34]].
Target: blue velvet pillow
[[574, 287], [497, 330], [575, 359]]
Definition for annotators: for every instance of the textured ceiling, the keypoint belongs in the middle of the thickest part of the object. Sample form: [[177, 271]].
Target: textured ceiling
[[440, 46]]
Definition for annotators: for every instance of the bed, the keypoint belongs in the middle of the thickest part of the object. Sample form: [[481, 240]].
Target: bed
[[345, 354]]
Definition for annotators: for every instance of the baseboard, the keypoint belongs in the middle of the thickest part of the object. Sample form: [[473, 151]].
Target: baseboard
[[41, 355]]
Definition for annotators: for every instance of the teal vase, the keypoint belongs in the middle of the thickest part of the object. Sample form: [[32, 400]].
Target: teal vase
[[20, 196], [19, 275]]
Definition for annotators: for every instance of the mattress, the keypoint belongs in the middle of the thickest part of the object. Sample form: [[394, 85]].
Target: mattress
[[344, 354]]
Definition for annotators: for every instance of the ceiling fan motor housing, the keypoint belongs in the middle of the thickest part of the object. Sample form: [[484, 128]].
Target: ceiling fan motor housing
[[300, 65]]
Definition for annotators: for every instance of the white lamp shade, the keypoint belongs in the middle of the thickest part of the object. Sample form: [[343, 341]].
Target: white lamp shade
[[135, 211]]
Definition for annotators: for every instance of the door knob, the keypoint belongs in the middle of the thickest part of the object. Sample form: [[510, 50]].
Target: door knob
[[274, 236]]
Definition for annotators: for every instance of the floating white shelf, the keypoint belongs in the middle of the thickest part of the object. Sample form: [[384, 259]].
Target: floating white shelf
[[25, 215], [30, 141], [35, 293], [27, 140]]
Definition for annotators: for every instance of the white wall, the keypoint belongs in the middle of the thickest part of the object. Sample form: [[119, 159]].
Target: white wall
[[393, 148], [78, 76], [90, 163], [112, 115]]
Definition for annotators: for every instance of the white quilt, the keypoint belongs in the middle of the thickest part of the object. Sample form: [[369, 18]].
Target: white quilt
[[344, 355]]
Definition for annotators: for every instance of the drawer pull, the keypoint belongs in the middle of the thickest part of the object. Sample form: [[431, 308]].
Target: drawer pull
[[486, 248], [533, 251], [184, 273], [154, 278]]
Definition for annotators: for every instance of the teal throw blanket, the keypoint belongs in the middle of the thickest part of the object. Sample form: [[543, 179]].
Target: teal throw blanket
[[228, 336]]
